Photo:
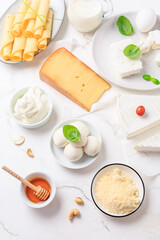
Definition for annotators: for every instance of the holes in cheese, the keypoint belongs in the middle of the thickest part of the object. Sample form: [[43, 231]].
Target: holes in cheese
[[59, 72]]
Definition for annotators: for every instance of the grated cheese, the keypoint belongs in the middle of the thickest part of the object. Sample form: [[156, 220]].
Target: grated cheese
[[117, 193]]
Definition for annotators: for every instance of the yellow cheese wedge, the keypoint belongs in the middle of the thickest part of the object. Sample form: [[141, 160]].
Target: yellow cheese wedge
[[67, 74]]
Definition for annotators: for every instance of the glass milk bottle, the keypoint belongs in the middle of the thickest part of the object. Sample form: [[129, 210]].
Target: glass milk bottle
[[87, 15]]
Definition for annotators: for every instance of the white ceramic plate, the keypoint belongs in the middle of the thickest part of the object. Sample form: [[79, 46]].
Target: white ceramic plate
[[58, 153], [109, 33], [58, 6], [126, 170]]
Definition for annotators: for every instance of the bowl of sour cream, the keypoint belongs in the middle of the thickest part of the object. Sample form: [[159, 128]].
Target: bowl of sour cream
[[31, 107]]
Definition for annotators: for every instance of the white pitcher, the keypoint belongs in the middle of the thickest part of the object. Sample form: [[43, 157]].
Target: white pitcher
[[87, 15]]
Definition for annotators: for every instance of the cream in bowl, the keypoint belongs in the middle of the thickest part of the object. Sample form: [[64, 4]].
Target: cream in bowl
[[117, 190], [38, 179], [31, 107]]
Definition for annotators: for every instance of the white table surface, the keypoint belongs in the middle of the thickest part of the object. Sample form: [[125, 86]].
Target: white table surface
[[19, 222]]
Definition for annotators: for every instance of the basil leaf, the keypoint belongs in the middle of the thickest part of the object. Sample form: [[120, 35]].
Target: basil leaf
[[155, 81], [147, 77], [124, 25], [132, 51], [71, 133]]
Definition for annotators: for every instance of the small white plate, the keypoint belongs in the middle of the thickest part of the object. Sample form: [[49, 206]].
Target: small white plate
[[109, 33], [126, 170], [58, 153], [58, 7]]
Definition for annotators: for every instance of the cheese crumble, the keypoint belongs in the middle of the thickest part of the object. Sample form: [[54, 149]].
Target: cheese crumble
[[117, 193]]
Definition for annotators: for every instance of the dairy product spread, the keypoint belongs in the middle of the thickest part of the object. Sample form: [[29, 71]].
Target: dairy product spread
[[32, 107]]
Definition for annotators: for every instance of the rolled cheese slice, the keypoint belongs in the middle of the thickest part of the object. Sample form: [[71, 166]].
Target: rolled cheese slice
[[46, 35], [30, 49], [17, 25], [7, 38], [18, 48], [30, 19], [42, 12]]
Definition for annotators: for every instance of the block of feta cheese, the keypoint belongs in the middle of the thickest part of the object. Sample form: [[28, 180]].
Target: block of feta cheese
[[123, 65], [145, 45], [157, 59], [151, 144], [132, 123], [154, 37]]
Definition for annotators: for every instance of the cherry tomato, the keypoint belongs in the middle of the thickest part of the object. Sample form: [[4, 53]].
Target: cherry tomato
[[140, 110]]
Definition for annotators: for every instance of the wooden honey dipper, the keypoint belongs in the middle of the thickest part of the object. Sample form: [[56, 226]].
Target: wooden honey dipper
[[40, 192]]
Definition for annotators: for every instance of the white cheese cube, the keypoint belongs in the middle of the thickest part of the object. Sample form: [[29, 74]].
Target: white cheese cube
[[124, 66], [154, 37], [145, 45], [132, 123], [151, 144]]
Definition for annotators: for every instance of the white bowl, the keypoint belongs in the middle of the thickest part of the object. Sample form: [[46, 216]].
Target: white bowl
[[58, 153], [52, 193], [126, 170], [18, 95]]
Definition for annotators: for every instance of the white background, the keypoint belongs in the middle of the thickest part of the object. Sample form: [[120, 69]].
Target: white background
[[19, 222]]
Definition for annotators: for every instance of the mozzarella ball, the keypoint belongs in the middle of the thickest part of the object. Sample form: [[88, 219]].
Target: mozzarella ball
[[83, 129], [92, 146], [73, 153], [146, 19], [59, 139]]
